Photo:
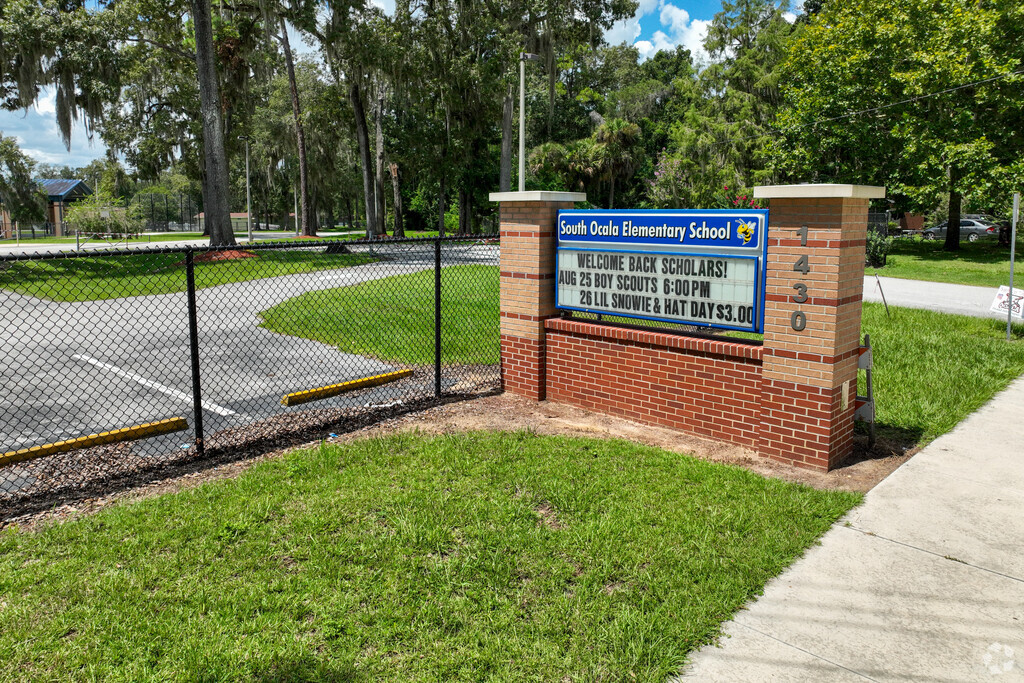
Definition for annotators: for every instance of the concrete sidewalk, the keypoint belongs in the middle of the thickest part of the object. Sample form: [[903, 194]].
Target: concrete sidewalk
[[934, 296], [923, 582]]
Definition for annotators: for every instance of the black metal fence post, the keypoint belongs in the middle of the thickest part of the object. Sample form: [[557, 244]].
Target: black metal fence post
[[437, 318], [193, 338]]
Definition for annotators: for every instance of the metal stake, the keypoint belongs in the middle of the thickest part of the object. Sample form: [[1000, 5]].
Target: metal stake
[[1013, 254]]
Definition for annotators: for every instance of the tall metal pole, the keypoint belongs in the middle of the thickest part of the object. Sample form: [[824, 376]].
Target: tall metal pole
[[1013, 254], [523, 57], [437, 318], [248, 193], [522, 122]]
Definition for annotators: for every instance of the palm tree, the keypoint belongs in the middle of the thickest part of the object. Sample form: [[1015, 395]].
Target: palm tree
[[618, 142], [583, 163], [548, 163]]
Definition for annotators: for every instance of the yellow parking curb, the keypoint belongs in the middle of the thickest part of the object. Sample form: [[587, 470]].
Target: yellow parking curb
[[335, 389], [174, 424]]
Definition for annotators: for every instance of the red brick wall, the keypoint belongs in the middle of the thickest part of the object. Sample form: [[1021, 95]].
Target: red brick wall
[[805, 425], [792, 399], [522, 362], [705, 387]]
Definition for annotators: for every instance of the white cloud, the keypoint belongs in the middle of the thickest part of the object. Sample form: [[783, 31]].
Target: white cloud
[[624, 31], [47, 103], [36, 133], [677, 28]]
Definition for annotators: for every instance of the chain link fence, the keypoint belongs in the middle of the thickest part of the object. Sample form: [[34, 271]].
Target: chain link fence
[[119, 367]]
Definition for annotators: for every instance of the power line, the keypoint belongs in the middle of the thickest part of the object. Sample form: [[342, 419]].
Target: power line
[[918, 98], [915, 98]]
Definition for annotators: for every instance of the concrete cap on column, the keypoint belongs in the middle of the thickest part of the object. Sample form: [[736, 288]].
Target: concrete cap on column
[[817, 191], [538, 196]]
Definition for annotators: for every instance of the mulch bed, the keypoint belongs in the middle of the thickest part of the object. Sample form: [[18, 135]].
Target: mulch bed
[[69, 482], [227, 255]]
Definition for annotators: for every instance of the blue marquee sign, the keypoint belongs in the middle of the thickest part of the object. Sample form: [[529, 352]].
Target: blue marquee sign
[[702, 268]]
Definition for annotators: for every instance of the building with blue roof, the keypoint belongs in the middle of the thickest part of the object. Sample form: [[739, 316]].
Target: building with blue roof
[[60, 193]]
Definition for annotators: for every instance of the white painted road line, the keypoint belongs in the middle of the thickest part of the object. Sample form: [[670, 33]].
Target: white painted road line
[[174, 393]]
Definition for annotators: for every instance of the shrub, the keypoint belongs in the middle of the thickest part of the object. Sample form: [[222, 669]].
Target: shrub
[[877, 249], [101, 213]]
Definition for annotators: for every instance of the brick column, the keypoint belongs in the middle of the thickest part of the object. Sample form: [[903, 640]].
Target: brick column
[[527, 283], [812, 320]]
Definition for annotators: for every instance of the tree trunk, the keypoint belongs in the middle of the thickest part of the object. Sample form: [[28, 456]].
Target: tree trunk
[[611, 193], [363, 137], [308, 228], [379, 178], [216, 203], [396, 186], [348, 212], [465, 213], [505, 179], [953, 218]]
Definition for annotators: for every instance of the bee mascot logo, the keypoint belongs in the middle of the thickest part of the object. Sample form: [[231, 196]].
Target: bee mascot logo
[[746, 231]]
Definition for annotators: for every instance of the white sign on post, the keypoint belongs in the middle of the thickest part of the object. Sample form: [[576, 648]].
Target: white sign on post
[[1002, 301]]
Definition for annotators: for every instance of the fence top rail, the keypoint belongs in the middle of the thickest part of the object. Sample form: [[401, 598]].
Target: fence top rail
[[258, 246]]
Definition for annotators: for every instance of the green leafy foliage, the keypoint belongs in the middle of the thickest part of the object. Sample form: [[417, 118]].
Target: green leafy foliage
[[877, 250], [99, 213], [915, 95], [20, 196]]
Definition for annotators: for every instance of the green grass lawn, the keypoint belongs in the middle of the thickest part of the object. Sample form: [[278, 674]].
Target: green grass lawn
[[982, 263], [497, 557], [393, 318], [933, 369], [113, 277]]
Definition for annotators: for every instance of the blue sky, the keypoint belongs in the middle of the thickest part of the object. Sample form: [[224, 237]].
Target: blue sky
[[657, 25]]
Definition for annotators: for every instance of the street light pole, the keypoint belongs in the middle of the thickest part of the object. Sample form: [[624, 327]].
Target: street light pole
[[248, 194], [523, 57]]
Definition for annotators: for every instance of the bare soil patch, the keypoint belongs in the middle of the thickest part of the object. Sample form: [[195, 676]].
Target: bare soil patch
[[507, 412]]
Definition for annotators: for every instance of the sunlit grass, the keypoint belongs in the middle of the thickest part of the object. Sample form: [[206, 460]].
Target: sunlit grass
[[487, 556]]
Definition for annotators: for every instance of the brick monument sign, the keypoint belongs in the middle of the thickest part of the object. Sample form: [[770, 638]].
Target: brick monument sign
[[790, 398]]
